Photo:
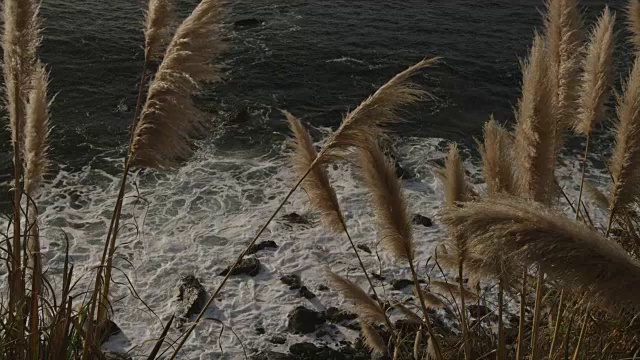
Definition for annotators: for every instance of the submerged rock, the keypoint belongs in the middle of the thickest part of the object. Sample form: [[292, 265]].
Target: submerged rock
[[422, 220], [269, 244], [272, 355], [277, 339], [247, 23], [335, 315], [112, 355], [364, 248], [306, 293], [191, 299], [248, 266], [304, 321], [403, 173], [295, 218], [401, 283], [478, 311], [292, 280], [110, 329]]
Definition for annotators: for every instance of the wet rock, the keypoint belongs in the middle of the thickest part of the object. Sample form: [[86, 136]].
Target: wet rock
[[364, 248], [248, 266], [277, 339], [478, 311], [240, 117], [321, 333], [272, 355], [422, 220], [304, 321], [247, 23], [306, 293], [310, 351], [260, 330], [113, 355], [403, 173], [323, 287], [401, 283], [110, 329], [377, 276], [191, 299], [269, 244], [295, 218], [335, 315], [292, 280]]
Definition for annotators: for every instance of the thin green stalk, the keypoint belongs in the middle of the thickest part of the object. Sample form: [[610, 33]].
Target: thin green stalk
[[583, 331], [501, 339], [463, 316], [584, 167], [427, 321], [523, 305], [556, 328], [535, 350]]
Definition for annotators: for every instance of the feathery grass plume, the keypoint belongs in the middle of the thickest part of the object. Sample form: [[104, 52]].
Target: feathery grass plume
[[431, 299], [597, 75], [159, 20], [169, 117], [563, 33], [575, 256], [496, 158], [633, 22], [455, 186], [367, 120], [372, 338], [316, 184], [20, 41], [36, 132], [599, 198], [388, 201], [366, 308], [535, 128], [625, 161]]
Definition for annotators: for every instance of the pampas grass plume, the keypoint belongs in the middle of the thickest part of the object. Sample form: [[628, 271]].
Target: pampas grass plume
[[496, 159], [372, 338], [169, 118], [316, 184], [633, 22], [36, 132], [366, 308], [597, 74], [157, 27]]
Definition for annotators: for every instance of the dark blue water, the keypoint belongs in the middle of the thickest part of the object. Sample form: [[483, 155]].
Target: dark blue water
[[317, 59]]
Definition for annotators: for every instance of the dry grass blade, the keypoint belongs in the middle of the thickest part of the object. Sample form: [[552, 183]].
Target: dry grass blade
[[496, 159], [372, 338], [36, 132], [365, 306], [388, 201], [158, 24], [573, 255], [633, 22], [535, 128], [597, 74], [563, 33], [625, 161], [316, 184], [366, 121], [453, 289], [169, 117]]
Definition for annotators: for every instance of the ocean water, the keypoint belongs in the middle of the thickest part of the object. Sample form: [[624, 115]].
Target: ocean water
[[316, 59]]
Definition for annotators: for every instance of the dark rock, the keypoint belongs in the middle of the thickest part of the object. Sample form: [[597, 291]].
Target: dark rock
[[304, 321], [295, 218], [272, 355], [403, 173], [112, 355], [320, 333], [401, 283], [248, 266], [378, 276], [364, 248], [240, 117], [354, 325], [269, 244], [309, 351], [109, 329], [191, 299], [478, 311], [260, 330], [335, 315], [323, 287], [247, 23], [422, 220], [277, 339], [292, 280], [306, 293]]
